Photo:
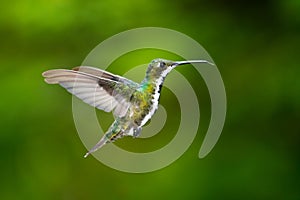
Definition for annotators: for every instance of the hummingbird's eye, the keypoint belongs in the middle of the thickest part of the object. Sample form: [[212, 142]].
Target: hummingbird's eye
[[162, 64]]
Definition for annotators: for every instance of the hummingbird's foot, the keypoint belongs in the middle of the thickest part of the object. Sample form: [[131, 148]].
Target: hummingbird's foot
[[100, 144], [137, 132]]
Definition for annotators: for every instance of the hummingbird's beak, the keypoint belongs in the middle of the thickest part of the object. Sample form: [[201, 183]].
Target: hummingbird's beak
[[192, 61]]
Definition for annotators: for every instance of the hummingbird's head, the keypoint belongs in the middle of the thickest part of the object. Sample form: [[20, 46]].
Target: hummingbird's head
[[161, 67]]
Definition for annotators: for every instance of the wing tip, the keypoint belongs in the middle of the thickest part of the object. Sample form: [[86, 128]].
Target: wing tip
[[51, 72], [50, 75], [50, 81], [46, 73]]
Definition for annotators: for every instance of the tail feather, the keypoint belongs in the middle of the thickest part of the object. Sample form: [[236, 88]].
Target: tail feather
[[113, 133], [101, 143]]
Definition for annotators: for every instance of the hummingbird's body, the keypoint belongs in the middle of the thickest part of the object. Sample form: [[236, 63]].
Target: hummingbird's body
[[132, 104]]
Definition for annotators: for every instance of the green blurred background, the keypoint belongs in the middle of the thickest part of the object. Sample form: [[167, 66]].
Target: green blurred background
[[256, 47]]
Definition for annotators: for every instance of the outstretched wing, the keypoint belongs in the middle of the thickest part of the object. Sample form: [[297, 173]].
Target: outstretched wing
[[96, 87]]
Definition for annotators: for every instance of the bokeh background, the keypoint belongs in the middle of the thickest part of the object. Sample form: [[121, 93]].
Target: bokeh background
[[256, 47]]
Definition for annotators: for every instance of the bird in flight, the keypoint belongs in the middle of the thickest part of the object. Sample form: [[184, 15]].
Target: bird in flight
[[132, 104]]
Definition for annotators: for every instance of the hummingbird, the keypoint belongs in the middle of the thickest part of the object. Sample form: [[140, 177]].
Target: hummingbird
[[132, 104]]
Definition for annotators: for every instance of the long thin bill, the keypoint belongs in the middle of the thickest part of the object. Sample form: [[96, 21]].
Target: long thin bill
[[193, 61]]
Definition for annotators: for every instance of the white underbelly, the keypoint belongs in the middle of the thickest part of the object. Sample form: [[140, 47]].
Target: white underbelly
[[150, 113]]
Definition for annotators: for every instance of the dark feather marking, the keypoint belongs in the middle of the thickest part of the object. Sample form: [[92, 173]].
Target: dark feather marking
[[106, 86], [160, 86]]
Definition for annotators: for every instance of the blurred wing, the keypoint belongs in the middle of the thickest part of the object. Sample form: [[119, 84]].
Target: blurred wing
[[96, 87]]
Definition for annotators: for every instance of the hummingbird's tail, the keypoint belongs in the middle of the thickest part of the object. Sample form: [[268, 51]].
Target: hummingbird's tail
[[101, 142], [114, 132]]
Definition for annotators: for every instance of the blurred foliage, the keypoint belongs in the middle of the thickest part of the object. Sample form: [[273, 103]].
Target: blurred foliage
[[256, 47]]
